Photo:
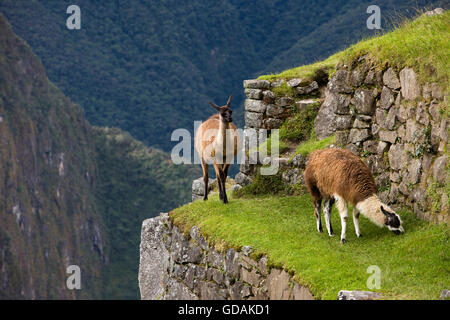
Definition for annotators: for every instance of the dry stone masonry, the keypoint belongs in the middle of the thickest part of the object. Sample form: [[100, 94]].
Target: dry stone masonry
[[397, 124], [398, 127], [266, 109], [175, 266]]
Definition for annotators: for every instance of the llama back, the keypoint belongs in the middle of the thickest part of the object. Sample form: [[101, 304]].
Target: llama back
[[338, 171]]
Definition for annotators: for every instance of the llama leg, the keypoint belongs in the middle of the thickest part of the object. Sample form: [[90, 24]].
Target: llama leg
[[219, 180], [205, 180], [341, 204], [356, 222], [224, 191], [327, 214], [317, 209], [224, 181]]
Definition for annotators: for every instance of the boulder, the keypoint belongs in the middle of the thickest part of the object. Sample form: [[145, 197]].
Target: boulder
[[388, 136], [343, 122], [284, 101], [325, 122], [236, 187], [436, 91], [299, 161], [198, 187], [341, 138], [253, 119], [412, 131], [272, 123], [390, 79], [308, 89], [434, 111], [358, 295], [362, 122], [410, 86], [294, 82], [210, 291], [268, 96], [291, 176], [262, 265], [338, 82], [247, 250], [397, 157], [277, 83], [422, 114], [356, 78], [256, 84], [274, 111], [250, 277], [278, 285], [370, 146], [232, 266], [376, 164], [382, 147], [445, 294], [374, 77], [414, 170], [387, 98], [439, 171], [154, 260], [389, 123], [254, 94], [357, 135], [242, 179], [255, 105], [434, 12], [301, 293], [364, 101]]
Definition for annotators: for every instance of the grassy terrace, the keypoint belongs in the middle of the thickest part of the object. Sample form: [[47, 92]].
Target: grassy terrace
[[421, 44], [415, 265]]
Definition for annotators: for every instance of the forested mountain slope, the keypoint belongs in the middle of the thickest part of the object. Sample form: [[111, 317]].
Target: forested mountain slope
[[71, 194], [48, 213], [149, 67]]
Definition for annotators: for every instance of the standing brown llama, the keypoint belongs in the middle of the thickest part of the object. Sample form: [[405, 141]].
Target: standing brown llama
[[217, 141]]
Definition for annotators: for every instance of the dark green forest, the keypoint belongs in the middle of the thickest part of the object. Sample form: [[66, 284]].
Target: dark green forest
[[149, 67], [134, 183]]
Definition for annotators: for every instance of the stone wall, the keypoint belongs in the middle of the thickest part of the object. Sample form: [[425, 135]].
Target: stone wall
[[175, 266], [266, 108], [397, 125]]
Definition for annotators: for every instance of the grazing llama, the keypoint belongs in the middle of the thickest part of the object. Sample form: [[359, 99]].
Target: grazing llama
[[217, 141], [337, 175]]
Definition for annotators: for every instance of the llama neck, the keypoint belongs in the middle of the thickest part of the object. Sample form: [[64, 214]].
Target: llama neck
[[222, 137], [370, 208]]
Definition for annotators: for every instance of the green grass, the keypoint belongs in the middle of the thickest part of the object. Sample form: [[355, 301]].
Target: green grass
[[307, 72], [422, 44], [415, 265], [312, 144], [266, 147], [299, 126]]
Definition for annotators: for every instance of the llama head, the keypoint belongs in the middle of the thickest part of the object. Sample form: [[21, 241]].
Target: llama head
[[392, 220], [224, 111]]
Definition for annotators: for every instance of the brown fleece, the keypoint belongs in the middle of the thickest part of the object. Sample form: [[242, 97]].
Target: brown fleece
[[338, 171]]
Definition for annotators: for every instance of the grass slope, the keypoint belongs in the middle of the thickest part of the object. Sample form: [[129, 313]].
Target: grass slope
[[421, 44], [415, 265]]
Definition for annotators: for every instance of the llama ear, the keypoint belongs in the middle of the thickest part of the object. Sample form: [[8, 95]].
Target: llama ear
[[214, 105], [229, 101], [386, 213]]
